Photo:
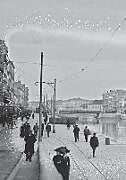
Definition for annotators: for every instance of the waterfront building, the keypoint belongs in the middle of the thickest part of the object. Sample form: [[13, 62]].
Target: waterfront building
[[114, 101]]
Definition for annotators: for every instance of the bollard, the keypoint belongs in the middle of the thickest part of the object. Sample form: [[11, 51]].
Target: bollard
[[107, 141]]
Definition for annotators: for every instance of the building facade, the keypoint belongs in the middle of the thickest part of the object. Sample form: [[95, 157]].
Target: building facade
[[81, 105], [114, 101], [21, 94]]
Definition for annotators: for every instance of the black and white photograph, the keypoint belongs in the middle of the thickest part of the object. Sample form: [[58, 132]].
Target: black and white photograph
[[62, 90]]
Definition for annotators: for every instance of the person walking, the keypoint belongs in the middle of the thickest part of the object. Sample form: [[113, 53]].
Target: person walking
[[86, 133], [76, 132], [35, 128], [29, 146], [45, 118], [27, 128], [42, 129], [22, 131], [62, 162], [94, 143], [48, 129], [33, 116]]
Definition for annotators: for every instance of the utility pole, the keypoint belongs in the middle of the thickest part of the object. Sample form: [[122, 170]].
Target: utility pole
[[40, 102], [54, 105], [51, 107]]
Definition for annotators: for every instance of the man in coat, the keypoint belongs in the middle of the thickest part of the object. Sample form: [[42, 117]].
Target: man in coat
[[42, 129], [35, 128], [86, 133], [94, 143], [48, 129], [76, 132], [29, 145]]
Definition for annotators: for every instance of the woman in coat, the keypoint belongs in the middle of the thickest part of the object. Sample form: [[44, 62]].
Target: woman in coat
[[29, 145], [62, 162]]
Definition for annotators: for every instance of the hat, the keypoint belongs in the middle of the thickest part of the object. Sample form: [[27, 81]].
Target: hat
[[62, 150]]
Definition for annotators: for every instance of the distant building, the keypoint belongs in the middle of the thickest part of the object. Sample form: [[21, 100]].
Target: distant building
[[114, 101], [95, 106], [81, 105], [75, 104], [21, 94], [4, 90], [10, 79]]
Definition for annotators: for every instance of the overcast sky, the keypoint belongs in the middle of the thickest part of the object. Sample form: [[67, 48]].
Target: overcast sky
[[74, 35]]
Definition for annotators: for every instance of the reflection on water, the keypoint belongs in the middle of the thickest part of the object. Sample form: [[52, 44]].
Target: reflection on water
[[110, 124]]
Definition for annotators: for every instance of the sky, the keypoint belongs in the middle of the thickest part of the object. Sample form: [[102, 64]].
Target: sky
[[83, 43]]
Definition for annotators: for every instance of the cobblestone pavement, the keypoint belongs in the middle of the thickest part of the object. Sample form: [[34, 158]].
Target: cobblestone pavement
[[109, 163]]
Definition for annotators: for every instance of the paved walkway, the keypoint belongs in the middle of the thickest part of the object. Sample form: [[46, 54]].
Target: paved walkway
[[110, 161], [28, 170], [109, 164]]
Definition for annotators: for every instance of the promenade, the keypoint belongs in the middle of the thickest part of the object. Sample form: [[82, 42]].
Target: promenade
[[109, 163]]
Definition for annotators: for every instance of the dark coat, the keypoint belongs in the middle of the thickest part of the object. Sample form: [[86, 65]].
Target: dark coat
[[87, 131], [42, 126], [76, 131], [33, 116], [35, 128], [22, 131], [48, 127], [29, 146], [62, 164], [94, 142]]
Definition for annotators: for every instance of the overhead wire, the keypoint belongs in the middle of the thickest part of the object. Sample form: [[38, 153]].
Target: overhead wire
[[84, 69]]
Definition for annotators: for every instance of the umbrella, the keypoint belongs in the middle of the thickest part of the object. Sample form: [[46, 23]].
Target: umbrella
[[62, 150]]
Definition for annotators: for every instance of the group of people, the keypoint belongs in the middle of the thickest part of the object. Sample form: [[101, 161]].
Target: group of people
[[94, 143], [31, 137], [61, 160]]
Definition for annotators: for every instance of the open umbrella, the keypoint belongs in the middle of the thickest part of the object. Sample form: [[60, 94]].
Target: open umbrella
[[62, 150]]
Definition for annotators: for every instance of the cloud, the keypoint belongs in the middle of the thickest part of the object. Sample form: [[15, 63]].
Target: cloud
[[32, 34]]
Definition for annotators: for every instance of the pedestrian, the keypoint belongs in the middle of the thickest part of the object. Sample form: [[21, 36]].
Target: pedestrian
[[62, 162], [42, 129], [33, 116], [76, 132], [86, 133], [29, 146], [35, 129], [27, 128], [22, 131], [45, 118], [48, 129], [94, 143]]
